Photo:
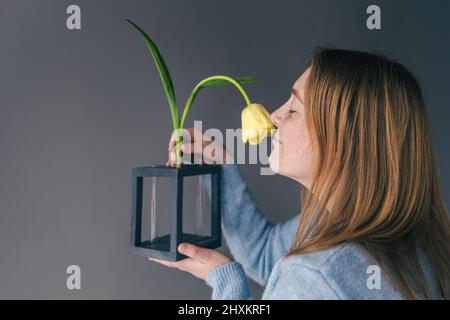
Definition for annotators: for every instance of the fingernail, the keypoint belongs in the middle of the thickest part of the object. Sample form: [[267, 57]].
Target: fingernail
[[182, 247]]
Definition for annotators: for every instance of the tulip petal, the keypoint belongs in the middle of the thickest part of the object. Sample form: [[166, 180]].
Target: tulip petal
[[256, 124]]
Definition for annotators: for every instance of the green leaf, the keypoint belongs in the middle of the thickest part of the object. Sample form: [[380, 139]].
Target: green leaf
[[163, 73], [220, 82]]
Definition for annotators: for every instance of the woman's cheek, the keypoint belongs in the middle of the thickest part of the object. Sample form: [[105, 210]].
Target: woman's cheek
[[299, 154], [306, 156]]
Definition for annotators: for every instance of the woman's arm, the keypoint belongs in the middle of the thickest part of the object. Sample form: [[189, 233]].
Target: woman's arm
[[295, 281], [228, 282], [253, 241]]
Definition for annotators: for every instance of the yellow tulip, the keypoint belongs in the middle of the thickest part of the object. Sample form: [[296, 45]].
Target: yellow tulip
[[256, 124]]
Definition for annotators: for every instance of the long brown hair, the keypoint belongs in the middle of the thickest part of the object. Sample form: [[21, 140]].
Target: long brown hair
[[375, 167]]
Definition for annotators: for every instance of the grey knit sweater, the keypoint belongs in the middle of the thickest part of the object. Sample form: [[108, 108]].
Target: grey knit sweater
[[259, 248]]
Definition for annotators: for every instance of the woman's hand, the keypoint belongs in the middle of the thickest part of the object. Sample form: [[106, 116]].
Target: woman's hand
[[201, 261], [199, 147]]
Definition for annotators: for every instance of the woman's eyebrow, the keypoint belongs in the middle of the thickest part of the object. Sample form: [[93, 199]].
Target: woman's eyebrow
[[297, 94]]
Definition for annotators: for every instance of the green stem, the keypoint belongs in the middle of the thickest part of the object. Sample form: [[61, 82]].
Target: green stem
[[191, 99], [200, 85]]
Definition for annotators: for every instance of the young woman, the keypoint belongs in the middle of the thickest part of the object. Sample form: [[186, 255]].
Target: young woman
[[355, 135]]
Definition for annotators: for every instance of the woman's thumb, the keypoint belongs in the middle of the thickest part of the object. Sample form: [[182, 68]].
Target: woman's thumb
[[193, 251]]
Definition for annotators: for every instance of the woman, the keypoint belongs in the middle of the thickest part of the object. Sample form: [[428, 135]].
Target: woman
[[355, 135]]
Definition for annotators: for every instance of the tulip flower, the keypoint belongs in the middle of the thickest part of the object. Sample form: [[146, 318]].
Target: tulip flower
[[256, 124], [254, 116]]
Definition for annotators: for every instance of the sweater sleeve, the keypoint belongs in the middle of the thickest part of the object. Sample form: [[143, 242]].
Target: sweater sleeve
[[229, 282], [253, 241]]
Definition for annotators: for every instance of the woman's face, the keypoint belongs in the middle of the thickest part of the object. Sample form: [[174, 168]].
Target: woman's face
[[292, 155]]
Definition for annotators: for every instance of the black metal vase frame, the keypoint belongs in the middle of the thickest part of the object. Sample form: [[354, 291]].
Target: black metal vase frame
[[165, 247]]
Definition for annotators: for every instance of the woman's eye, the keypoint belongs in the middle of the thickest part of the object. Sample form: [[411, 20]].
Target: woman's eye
[[292, 111]]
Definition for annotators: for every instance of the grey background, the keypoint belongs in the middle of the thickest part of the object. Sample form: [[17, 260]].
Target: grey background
[[79, 109]]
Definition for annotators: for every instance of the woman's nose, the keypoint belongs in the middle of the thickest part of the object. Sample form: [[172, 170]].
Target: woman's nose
[[275, 119]]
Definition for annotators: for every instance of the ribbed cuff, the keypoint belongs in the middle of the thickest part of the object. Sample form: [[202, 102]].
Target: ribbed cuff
[[228, 282]]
